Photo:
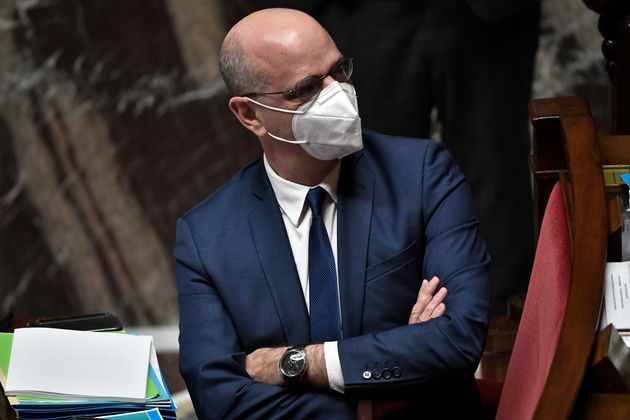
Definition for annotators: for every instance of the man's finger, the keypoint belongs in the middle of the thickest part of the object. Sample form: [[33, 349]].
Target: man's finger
[[425, 298], [430, 287], [427, 290], [425, 294], [430, 308], [439, 311], [417, 307]]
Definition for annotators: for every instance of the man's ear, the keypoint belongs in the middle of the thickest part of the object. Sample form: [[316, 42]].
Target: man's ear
[[246, 115]]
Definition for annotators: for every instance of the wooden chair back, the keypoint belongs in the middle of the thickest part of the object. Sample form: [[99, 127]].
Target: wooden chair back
[[566, 150]]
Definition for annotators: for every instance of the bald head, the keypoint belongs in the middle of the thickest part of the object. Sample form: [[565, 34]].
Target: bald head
[[268, 46]]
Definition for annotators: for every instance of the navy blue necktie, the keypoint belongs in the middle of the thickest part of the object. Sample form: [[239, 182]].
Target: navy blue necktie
[[324, 299]]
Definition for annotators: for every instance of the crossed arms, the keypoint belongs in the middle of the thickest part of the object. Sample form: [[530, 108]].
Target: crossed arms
[[262, 364]]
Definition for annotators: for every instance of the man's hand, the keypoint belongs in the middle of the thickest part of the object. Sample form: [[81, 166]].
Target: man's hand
[[429, 304], [262, 365]]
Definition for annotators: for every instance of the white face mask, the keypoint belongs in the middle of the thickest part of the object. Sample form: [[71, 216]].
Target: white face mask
[[328, 126]]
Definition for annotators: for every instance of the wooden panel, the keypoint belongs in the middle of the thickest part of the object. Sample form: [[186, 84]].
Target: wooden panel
[[605, 406], [615, 150], [550, 108]]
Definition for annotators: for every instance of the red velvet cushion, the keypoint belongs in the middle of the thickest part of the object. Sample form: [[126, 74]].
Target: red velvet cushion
[[541, 323]]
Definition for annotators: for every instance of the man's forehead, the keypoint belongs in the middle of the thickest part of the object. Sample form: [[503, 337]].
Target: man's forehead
[[268, 22], [290, 51]]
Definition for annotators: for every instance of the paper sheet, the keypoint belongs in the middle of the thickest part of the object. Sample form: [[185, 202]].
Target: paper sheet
[[617, 295], [82, 364]]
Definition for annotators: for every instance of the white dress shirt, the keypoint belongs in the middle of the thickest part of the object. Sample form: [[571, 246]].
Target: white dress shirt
[[297, 217]]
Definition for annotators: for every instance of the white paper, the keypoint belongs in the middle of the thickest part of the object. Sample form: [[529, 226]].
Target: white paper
[[617, 294], [79, 364]]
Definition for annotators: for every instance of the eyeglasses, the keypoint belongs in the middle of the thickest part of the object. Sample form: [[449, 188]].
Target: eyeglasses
[[310, 86]]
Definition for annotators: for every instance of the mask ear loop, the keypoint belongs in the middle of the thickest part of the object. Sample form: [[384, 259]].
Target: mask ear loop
[[287, 141], [288, 111], [273, 108]]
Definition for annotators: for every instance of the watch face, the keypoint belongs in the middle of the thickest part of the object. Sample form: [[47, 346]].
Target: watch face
[[293, 363]]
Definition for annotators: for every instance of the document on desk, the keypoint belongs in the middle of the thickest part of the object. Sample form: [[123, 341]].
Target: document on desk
[[617, 295], [98, 366]]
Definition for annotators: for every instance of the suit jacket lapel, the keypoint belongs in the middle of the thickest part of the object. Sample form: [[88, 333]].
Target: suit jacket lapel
[[354, 214], [276, 259]]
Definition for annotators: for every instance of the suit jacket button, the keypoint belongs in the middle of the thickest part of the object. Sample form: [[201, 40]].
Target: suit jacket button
[[376, 374], [367, 374], [387, 374], [396, 372]]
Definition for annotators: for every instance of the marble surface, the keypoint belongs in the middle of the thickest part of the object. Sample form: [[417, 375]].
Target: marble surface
[[569, 59], [113, 121]]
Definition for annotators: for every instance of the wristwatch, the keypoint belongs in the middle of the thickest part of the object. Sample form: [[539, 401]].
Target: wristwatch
[[293, 364]]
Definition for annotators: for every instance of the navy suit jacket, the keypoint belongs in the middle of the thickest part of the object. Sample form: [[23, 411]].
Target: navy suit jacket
[[404, 214]]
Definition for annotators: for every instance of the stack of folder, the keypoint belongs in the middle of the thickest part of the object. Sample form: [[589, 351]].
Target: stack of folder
[[56, 374]]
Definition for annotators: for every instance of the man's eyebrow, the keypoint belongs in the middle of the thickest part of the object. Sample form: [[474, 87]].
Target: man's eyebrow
[[330, 67]]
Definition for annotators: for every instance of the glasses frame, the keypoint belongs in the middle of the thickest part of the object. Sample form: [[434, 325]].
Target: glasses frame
[[293, 93]]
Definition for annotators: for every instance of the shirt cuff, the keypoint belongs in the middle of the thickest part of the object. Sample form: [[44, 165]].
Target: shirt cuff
[[333, 366]]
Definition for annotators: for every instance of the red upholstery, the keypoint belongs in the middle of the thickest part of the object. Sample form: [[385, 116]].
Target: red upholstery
[[541, 323], [490, 394]]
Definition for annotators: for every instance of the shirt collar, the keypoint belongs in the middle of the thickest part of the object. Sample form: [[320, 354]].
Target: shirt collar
[[291, 196]]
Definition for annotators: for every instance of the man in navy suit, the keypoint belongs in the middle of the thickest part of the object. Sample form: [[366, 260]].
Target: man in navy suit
[[393, 211]]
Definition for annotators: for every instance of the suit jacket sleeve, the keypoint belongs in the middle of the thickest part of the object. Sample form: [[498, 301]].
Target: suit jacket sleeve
[[212, 360], [451, 344]]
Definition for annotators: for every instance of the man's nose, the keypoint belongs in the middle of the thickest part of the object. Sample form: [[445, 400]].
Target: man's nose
[[328, 80]]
